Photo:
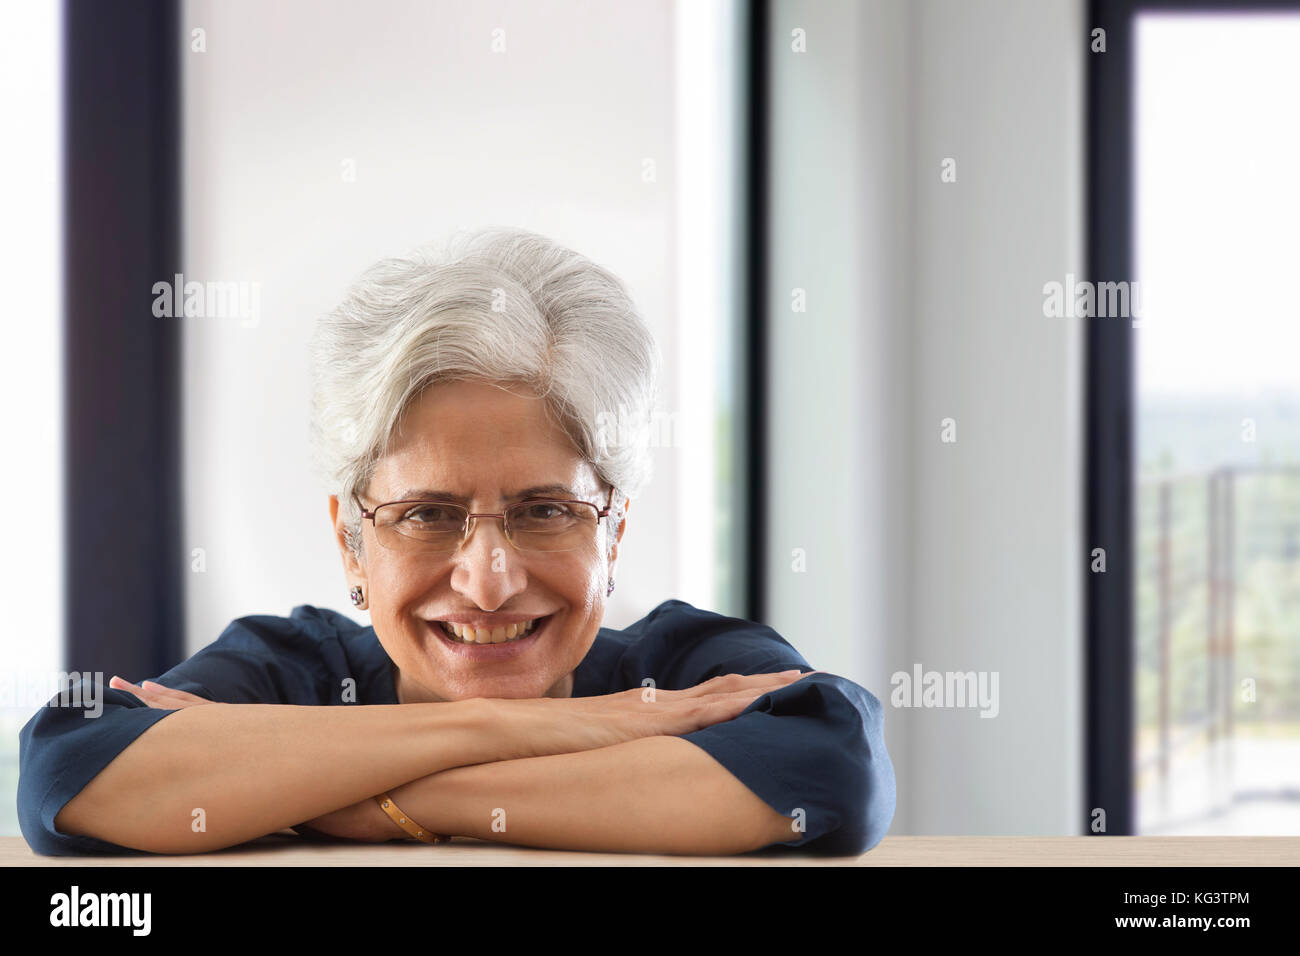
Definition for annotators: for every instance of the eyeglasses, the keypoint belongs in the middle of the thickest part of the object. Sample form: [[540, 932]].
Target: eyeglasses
[[441, 527]]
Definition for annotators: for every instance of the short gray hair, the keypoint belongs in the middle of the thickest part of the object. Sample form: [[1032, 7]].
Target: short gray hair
[[497, 305]]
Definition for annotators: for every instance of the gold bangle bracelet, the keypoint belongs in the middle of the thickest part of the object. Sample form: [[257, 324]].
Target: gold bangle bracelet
[[406, 823]]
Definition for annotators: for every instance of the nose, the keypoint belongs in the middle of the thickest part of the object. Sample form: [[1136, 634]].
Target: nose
[[487, 567]]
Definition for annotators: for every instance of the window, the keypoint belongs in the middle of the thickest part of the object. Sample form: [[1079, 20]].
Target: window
[[1216, 518]]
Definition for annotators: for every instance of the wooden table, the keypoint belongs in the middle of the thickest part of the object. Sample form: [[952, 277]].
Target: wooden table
[[291, 850]]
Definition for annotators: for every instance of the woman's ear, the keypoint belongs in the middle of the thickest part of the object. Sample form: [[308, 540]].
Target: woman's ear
[[352, 567], [618, 535], [622, 524]]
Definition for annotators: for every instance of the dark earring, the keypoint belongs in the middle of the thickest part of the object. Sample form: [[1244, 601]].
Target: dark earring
[[611, 588], [357, 597]]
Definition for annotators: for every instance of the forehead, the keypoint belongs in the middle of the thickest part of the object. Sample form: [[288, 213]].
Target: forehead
[[471, 439]]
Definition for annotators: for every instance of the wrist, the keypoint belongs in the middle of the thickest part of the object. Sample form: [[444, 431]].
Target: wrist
[[477, 730], [501, 729], [430, 804], [379, 827], [408, 824]]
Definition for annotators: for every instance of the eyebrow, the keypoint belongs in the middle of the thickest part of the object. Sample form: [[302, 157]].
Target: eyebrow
[[421, 494]]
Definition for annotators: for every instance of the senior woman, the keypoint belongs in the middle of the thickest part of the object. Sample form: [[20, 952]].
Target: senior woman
[[463, 417]]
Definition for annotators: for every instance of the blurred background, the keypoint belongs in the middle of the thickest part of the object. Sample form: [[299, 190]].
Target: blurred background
[[850, 226]]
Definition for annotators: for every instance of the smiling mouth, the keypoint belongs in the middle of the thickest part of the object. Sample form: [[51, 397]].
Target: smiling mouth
[[464, 634]]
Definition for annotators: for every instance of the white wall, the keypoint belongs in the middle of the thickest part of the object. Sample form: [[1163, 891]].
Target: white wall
[[445, 134], [925, 302]]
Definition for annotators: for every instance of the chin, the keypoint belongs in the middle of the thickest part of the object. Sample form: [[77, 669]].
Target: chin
[[520, 687]]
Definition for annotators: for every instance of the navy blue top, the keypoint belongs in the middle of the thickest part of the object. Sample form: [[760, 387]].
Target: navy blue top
[[816, 745]]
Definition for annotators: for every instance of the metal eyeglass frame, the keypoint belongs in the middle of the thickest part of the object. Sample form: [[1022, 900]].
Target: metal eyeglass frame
[[464, 531]]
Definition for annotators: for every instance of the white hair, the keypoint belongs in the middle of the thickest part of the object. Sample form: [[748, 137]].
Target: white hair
[[499, 305]]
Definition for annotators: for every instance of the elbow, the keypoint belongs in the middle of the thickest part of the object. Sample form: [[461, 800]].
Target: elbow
[[97, 823], [44, 838], [879, 811], [871, 796], [877, 785], [869, 814]]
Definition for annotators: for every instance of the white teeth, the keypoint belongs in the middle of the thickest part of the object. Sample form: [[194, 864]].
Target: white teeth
[[500, 635]]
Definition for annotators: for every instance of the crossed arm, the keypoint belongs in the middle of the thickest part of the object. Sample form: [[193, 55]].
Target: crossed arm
[[654, 794]]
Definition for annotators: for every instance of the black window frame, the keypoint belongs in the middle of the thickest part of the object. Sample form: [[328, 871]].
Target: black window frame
[[1110, 404], [123, 566]]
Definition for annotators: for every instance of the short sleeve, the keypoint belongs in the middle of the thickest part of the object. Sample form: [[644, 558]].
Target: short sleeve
[[67, 743], [813, 751], [63, 748]]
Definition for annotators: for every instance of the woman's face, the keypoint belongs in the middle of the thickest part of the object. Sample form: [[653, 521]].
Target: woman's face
[[475, 441]]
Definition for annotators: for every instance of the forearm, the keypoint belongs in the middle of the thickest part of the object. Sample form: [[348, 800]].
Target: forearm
[[653, 795], [256, 768]]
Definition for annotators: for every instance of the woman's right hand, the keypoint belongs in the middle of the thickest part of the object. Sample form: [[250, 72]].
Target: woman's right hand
[[537, 727]]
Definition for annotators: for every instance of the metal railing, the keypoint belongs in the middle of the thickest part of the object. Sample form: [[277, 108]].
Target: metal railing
[[1204, 541]]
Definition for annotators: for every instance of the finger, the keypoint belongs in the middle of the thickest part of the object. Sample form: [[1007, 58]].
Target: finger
[[792, 674], [174, 695], [788, 676], [750, 694], [118, 683], [151, 692], [726, 683], [754, 684], [729, 706]]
